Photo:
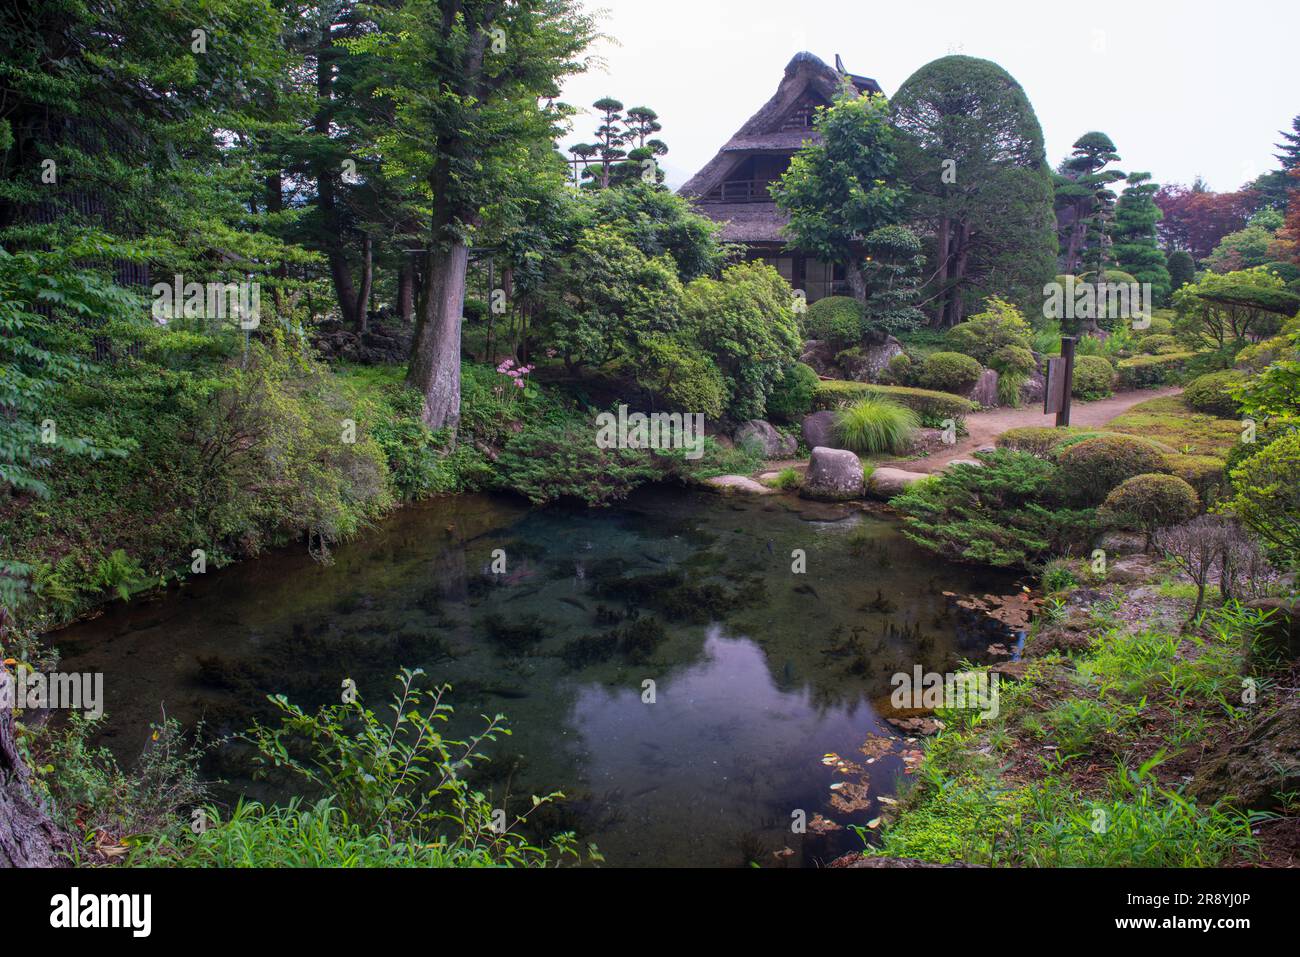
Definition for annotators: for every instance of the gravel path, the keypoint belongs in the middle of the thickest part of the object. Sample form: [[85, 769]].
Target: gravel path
[[984, 427]]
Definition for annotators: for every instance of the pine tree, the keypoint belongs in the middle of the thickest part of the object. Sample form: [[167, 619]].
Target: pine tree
[[1137, 249]]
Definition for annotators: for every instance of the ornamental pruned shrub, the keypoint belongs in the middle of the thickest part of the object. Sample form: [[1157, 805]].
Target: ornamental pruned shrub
[[838, 319], [949, 372], [1145, 503], [1212, 393], [1092, 468], [1094, 378], [1000, 324]]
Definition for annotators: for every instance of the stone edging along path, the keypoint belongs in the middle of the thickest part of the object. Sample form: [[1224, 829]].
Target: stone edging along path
[[982, 429]]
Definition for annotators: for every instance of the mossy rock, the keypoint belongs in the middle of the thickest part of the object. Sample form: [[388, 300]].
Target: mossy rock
[[1254, 773]]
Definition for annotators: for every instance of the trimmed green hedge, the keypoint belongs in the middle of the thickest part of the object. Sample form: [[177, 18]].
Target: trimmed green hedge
[[1143, 372], [933, 407]]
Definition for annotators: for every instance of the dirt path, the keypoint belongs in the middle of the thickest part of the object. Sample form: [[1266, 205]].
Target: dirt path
[[984, 427]]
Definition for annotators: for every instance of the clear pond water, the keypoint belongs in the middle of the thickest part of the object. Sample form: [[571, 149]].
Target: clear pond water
[[758, 672]]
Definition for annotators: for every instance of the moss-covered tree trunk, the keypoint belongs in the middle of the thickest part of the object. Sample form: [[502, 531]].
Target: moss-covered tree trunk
[[28, 838]]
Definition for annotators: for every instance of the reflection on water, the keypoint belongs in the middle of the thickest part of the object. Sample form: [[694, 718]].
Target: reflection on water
[[756, 672]]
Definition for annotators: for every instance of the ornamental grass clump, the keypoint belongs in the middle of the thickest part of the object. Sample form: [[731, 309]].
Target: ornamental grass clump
[[873, 426]]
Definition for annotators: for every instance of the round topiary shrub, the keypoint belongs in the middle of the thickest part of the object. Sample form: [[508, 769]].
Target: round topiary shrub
[[1158, 344], [1210, 393], [1159, 326], [1015, 360], [1091, 468], [1148, 502], [899, 370], [949, 372], [1094, 377], [792, 396], [839, 319]]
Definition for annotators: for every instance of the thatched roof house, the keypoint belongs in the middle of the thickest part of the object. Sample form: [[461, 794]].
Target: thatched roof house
[[732, 187]]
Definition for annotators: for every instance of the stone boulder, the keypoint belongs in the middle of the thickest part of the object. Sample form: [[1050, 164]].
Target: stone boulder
[[985, 389], [820, 355], [872, 360], [1033, 389], [819, 429], [763, 436], [739, 485], [1251, 773], [833, 475], [885, 483]]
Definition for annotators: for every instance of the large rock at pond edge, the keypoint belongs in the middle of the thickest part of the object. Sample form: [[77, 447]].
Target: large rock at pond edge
[[739, 485], [820, 356], [985, 389], [886, 482], [819, 429], [767, 439], [872, 361], [833, 475], [1251, 773]]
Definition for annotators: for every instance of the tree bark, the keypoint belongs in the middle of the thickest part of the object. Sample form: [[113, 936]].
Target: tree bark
[[28, 838], [944, 237], [340, 270], [435, 351], [406, 290], [857, 282], [362, 314]]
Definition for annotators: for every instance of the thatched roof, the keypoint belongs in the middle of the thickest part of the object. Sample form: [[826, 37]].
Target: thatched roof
[[762, 132]]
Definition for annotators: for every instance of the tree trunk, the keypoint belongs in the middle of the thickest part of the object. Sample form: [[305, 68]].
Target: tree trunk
[[340, 270], [406, 290], [362, 314], [28, 838], [857, 282], [943, 235], [956, 304], [435, 351]]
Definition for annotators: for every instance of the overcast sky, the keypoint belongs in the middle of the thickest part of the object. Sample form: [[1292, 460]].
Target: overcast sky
[[1182, 86]]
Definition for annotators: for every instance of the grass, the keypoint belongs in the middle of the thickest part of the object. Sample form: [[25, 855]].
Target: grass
[[873, 426], [1169, 420], [787, 478], [1030, 786]]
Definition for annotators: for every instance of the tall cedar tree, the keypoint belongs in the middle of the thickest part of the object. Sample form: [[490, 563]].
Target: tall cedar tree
[[472, 83], [971, 151], [1137, 246]]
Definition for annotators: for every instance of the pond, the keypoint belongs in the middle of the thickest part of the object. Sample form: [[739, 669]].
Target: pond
[[758, 672]]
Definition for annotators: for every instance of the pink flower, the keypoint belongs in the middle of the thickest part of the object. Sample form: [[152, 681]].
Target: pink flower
[[520, 383]]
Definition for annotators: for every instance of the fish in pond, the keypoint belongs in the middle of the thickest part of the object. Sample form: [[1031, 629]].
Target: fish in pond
[[807, 590], [651, 558], [574, 602], [513, 694]]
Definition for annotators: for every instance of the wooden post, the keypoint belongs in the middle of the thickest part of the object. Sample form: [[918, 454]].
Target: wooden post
[[1067, 354]]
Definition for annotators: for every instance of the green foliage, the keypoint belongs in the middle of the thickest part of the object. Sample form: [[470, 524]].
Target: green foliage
[[841, 185], [1169, 422], [899, 371], [1214, 393], [949, 372], [1002, 512], [1155, 345], [1221, 312], [678, 374], [963, 115], [399, 784], [553, 460], [1092, 468], [1136, 245], [933, 407], [873, 426], [1000, 325], [1147, 502], [746, 323], [1182, 269], [1205, 473], [1094, 378], [892, 274], [837, 319], [1267, 496], [1013, 359], [1145, 372], [792, 396]]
